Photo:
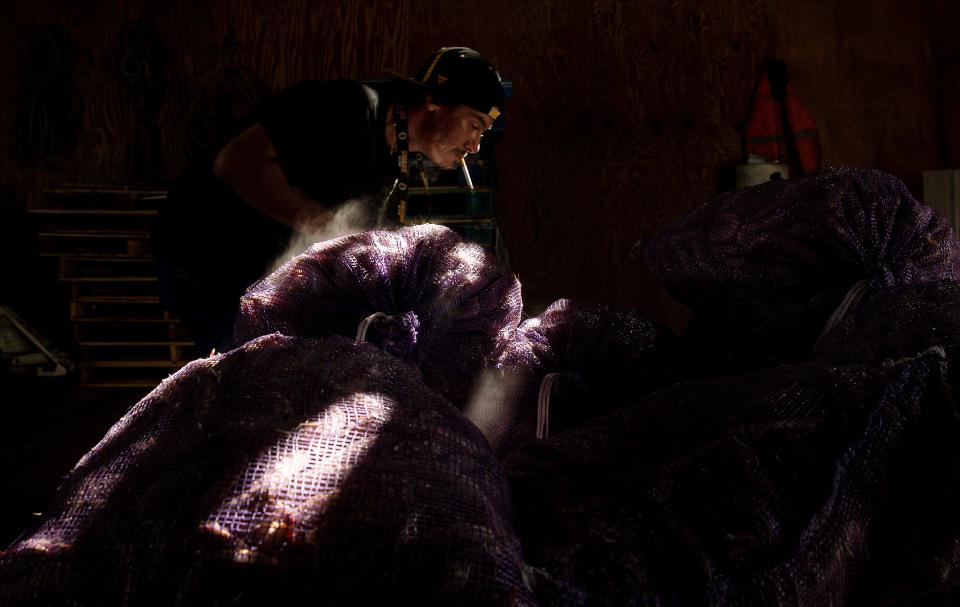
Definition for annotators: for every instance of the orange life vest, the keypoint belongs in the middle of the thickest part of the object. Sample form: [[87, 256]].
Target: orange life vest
[[779, 129]]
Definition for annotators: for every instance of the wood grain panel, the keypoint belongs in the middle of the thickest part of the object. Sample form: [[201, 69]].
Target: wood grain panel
[[624, 116], [944, 18], [635, 109], [868, 79]]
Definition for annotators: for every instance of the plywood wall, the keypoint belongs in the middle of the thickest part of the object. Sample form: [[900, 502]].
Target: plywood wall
[[868, 75], [624, 116]]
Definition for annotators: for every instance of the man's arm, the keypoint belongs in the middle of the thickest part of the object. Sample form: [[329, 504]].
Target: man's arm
[[248, 164]]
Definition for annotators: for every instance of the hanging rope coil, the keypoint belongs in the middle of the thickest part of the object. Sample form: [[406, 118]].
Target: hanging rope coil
[[142, 70], [225, 94], [49, 114]]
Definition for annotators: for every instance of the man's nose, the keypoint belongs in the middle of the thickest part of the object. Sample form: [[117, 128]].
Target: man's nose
[[473, 146]]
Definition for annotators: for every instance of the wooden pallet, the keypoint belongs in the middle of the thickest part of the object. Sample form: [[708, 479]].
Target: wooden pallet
[[100, 237]]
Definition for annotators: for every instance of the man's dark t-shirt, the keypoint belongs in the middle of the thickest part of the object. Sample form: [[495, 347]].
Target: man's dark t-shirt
[[211, 245], [328, 137]]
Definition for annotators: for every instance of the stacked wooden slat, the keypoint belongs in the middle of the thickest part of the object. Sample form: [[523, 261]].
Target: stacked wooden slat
[[100, 236]]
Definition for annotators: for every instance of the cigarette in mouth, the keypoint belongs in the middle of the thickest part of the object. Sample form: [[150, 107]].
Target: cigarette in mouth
[[466, 173]]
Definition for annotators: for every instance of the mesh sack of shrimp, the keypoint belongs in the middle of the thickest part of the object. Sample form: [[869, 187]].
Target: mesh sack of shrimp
[[421, 293], [572, 362], [319, 471], [810, 484], [763, 269]]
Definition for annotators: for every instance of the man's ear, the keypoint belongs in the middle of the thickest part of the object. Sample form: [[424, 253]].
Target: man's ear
[[430, 105]]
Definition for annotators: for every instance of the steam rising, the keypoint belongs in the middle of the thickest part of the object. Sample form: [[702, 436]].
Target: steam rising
[[351, 217], [489, 408]]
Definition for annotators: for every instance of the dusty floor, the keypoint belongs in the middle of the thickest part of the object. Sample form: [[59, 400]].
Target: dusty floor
[[46, 425]]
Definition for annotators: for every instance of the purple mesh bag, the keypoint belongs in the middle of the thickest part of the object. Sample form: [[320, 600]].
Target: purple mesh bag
[[572, 362], [286, 471], [767, 265], [783, 487], [894, 323], [421, 293]]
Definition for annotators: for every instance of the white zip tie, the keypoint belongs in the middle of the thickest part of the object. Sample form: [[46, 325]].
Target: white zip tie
[[543, 405], [365, 324], [850, 301]]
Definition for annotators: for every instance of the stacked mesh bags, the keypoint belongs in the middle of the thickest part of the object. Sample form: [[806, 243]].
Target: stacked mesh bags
[[914, 560], [781, 487], [308, 466], [889, 324], [427, 296], [304, 467], [572, 362], [773, 480], [763, 269]]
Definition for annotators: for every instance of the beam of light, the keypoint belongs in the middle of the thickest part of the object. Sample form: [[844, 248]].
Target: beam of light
[[472, 261], [90, 490], [532, 323], [286, 488], [471, 255]]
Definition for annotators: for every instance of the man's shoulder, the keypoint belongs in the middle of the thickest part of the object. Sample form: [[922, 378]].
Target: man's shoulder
[[353, 103], [333, 90]]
